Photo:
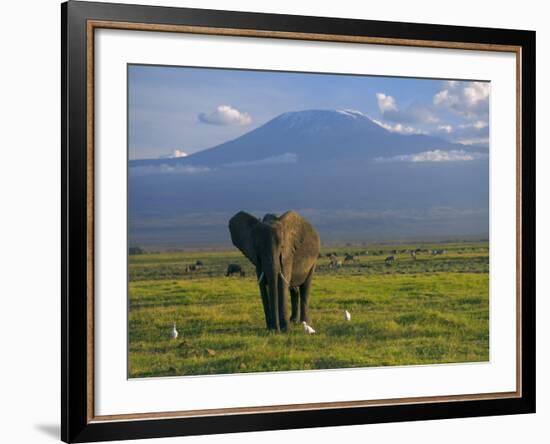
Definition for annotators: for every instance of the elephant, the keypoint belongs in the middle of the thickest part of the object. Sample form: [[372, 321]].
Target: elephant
[[234, 269], [284, 251]]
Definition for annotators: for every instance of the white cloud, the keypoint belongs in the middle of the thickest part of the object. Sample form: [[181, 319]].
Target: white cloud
[[147, 170], [476, 92], [415, 113], [179, 153], [435, 156], [474, 141], [385, 103], [174, 155], [473, 133], [468, 99], [448, 129], [164, 168], [398, 128], [480, 124], [445, 97], [274, 160], [225, 115]]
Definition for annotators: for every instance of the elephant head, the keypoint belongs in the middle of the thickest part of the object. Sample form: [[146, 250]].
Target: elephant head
[[284, 250]]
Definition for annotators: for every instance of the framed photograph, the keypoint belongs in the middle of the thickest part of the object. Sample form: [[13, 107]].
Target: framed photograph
[[275, 221]]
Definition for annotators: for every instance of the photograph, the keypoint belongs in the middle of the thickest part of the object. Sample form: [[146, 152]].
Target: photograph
[[295, 221]]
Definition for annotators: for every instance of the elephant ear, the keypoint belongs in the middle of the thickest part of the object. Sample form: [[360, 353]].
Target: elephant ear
[[241, 227]]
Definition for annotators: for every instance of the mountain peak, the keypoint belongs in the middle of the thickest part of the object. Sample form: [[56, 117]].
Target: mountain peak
[[323, 120], [315, 114]]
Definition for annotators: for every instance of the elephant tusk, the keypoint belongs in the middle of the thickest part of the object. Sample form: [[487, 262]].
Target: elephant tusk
[[261, 277], [283, 276]]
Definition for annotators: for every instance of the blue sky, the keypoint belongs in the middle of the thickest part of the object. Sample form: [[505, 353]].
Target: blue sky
[[178, 110]]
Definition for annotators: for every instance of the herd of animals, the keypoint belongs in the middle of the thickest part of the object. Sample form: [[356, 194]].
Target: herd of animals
[[234, 269], [284, 251]]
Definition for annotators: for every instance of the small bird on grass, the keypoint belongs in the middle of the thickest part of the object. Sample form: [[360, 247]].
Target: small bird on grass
[[347, 316], [308, 329], [174, 332]]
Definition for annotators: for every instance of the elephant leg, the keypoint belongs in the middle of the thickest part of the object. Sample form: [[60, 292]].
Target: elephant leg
[[265, 301], [295, 304], [305, 290], [283, 304]]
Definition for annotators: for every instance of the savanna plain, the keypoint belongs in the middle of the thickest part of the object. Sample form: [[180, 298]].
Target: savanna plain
[[431, 309]]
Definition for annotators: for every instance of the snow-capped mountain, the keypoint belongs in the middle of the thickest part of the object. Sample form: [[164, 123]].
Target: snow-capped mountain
[[353, 179], [313, 136]]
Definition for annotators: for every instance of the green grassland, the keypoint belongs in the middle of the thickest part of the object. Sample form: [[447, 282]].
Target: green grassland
[[434, 309]]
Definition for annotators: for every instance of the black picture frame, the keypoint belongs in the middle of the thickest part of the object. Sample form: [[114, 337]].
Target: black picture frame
[[76, 423]]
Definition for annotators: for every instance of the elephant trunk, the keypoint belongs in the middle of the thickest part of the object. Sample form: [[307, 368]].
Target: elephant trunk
[[283, 300], [272, 275]]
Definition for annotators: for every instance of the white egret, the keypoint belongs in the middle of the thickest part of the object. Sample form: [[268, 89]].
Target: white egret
[[174, 332], [308, 329], [347, 316]]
